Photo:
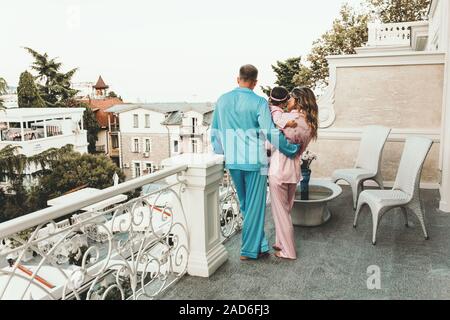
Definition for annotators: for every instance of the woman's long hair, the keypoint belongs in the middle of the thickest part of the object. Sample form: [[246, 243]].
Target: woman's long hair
[[305, 101]]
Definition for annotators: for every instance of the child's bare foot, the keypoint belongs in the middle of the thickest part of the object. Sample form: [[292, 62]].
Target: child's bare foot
[[276, 248], [278, 255]]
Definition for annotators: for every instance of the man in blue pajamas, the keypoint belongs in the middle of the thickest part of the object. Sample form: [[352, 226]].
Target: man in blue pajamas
[[241, 124]]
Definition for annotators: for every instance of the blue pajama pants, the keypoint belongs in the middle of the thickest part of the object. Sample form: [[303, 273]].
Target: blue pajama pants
[[251, 187]]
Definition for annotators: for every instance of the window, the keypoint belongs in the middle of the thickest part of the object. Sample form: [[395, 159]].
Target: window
[[135, 145], [194, 125], [148, 168], [136, 169], [148, 145], [135, 121], [194, 144], [147, 121], [115, 142], [176, 146]]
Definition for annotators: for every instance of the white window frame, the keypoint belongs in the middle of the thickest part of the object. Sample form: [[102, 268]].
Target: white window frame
[[145, 145], [135, 120], [144, 166], [133, 145], [133, 168], [147, 117]]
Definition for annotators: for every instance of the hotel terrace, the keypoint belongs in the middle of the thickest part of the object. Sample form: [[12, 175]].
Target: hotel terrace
[[180, 238]]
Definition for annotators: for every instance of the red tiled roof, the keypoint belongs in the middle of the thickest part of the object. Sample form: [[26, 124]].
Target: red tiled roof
[[99, 106], [100, 84]]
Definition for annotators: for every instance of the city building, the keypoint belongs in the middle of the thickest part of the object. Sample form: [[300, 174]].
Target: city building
[[35, 130], [10, 99], [150, 133], [98, 99], [399, 80]]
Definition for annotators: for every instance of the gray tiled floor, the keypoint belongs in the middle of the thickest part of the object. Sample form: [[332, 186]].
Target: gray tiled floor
[[334, 259]]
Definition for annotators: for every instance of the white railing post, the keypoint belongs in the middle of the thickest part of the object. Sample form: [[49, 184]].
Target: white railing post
[[200, 201]]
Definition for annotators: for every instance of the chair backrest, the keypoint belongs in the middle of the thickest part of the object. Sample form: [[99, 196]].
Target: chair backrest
[[410, 168], [371, 148]]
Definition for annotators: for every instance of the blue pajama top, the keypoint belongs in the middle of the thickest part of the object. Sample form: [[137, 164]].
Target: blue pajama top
[[241, 124]]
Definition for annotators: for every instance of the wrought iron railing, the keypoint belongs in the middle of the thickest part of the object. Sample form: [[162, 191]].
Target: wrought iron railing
[[230, 214], [116, 251]]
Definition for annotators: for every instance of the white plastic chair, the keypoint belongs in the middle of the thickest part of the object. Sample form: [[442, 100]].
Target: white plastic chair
[[406, 191], [367, 165]]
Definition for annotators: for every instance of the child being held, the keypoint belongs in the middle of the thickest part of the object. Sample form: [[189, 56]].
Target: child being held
[[285, 120]]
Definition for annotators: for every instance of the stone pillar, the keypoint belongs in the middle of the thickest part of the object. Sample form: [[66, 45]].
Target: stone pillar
[[200, 201], [445, 139]]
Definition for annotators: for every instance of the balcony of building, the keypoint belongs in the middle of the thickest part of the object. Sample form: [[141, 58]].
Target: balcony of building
[[191, 131], [99, 244], [114, 128], [395, 37], [37, 129]]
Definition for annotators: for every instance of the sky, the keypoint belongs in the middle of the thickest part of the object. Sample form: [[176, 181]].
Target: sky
[[161, 50]]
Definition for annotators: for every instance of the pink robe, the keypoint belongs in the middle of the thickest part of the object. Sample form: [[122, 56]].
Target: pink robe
[[284, 176], [282, 168]]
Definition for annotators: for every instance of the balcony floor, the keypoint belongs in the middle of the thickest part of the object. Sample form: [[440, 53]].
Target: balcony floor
[[333, 261]]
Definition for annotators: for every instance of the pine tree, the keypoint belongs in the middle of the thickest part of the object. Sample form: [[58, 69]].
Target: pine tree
[[53, 85], [28, 95]]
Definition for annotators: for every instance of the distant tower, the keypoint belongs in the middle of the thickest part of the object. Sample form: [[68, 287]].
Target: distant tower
[[100, 89]]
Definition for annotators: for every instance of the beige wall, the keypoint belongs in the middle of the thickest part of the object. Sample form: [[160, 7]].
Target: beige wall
[[400, 97], [394, 96]]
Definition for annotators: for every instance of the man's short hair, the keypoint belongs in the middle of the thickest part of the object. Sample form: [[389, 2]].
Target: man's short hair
[[248, 73]]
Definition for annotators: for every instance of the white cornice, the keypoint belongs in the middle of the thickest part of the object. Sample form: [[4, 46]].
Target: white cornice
[[387, 59]]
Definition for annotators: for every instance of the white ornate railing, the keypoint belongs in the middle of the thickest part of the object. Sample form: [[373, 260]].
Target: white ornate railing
[[389, 34], [230, 214], [396, 34], [127, 251]]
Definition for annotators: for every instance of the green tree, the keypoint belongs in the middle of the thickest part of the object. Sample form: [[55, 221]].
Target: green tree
[[400, 10], [112, 94], [66, 170], [53, 85], [286, 72], [12, 165], [28, 95], [61, 170], [3, 86], [349, 31], [90, 122], [3, 90]]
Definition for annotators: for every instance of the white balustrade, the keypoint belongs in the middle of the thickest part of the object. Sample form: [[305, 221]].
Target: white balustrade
[[135, 249], [393, 34]]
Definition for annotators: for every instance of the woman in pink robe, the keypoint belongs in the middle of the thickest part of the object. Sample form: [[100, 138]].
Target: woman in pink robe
[[299, 124]]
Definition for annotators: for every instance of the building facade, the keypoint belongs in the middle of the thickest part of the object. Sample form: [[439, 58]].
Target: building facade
[[150, 133], [399, 80], [35, 130], [97, 97]]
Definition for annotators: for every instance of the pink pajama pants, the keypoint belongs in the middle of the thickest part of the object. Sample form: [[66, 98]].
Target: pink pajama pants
[[282, 197]]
